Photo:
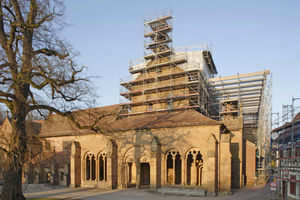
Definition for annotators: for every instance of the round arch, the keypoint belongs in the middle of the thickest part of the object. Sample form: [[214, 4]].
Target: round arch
[[130, 153], [89, 170]]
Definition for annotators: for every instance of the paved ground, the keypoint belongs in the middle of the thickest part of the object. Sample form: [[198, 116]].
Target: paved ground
[[261, 192]]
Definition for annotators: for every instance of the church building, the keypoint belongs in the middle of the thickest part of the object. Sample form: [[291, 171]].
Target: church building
[[178, 125]]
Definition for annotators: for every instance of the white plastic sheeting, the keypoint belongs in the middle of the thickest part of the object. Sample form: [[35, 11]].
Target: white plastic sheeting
[[195, 60]]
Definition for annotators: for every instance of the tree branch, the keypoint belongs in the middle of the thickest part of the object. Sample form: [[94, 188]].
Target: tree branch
[[17, 10], [3, 38], [7, 95], [11, 12], [33, 12], [49, 52], [4, 65], [68, 114], [5, 101], [2, 149], [48, 17]]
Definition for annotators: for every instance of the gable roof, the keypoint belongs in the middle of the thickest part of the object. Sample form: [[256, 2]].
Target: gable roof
[[286, 125], [32, 127], [57, 125]]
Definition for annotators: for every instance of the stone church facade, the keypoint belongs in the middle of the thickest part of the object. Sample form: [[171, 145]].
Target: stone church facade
[[176, 149], [171, 130]]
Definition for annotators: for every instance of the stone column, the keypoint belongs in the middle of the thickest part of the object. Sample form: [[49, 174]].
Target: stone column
[[183, 172], [97, 172], [133, 173], [166, 170], [83, 167], [225, 164], [52, 174], [126, 177], [138, 175], [174, 170], [91, 167], [109, 170], [193, 173], [155, 168], [104, 168], [163, 170], [211, 166], [75, 165]]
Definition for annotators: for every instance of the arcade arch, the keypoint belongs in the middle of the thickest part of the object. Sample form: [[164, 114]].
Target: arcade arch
[[194, 167]]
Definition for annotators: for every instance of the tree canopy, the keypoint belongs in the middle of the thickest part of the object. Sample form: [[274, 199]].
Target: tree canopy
[[38, 72]]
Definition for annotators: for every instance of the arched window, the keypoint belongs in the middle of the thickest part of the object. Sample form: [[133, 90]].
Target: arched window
[[173, 163], [90, 166], [194, 168], [93, 166], [103, 166]]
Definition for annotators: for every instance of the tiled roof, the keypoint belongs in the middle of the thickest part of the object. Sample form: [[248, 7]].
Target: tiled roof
[[57, 125], [297, 117], [280, 128]]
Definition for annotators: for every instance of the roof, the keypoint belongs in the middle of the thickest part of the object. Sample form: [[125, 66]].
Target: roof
[[297, 117], [288, 129], [32, 127], [110, 121], [286, 125]]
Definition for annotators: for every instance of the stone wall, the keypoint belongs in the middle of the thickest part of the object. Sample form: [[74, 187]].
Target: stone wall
[[250, 159], [199, 158]]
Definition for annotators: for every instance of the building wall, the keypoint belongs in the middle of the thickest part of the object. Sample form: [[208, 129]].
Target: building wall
[[250, 160], [129, 152], [235, 125], [57, 144]]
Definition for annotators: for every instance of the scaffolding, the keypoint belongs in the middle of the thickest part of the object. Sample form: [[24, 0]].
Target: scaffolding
[[168, 79], [248, 89], [248, 95], [165, 80]]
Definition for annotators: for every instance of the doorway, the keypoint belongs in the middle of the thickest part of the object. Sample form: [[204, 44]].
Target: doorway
[[284, 189], [145, 174]]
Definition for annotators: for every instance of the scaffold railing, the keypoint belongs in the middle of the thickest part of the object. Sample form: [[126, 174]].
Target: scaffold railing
[[136, 62], [157, 15], [264, 121]]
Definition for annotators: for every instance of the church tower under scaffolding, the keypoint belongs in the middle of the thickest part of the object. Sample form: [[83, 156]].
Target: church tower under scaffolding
[[165, 79]]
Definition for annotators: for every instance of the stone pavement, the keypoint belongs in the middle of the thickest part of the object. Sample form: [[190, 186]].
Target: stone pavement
[[260, 192]]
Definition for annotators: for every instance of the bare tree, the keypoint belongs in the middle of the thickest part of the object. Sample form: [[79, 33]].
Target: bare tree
[[38, 72]]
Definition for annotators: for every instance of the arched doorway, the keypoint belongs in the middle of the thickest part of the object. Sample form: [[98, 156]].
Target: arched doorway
[[130, 171], [144, 171], [145, 174]]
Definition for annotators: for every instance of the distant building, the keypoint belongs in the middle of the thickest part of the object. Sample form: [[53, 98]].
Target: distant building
[[287, 148]]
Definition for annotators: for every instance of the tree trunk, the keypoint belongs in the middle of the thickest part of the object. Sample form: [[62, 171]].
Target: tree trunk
[[15, 158], [12, 188]]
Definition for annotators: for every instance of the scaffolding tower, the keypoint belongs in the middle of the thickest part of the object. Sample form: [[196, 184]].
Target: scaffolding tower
[[165, 80]]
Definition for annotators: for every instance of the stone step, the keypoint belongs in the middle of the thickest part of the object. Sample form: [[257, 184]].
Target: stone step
[[182, 191]]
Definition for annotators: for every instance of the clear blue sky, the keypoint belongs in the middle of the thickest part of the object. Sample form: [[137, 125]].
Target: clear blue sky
[[246, 36]]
